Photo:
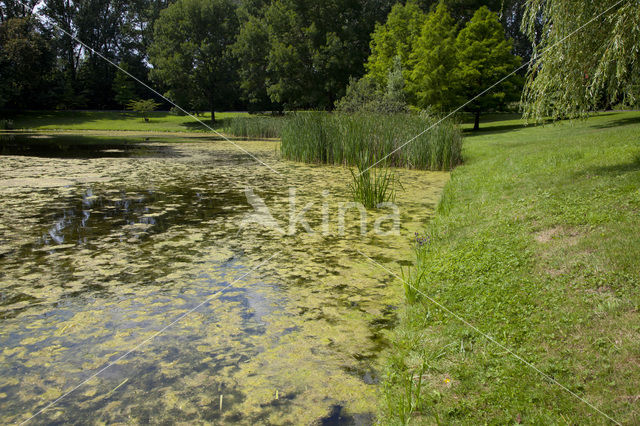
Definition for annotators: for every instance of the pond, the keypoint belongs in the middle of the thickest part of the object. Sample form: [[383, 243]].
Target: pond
[[109, 244]]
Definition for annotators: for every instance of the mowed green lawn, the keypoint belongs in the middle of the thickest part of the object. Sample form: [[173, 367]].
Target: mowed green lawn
[[537, 244], [116, 121]]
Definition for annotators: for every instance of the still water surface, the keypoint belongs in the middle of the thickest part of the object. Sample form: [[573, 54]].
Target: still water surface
[[105, 241]]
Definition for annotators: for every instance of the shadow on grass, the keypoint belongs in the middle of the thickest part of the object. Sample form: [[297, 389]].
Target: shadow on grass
[[615, 169], [65, 118], [34, 144], [483, 131], [627, 121], [31, 119], [195, 126]]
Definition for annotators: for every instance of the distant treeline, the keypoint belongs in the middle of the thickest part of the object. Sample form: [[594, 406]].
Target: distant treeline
[[204, 54]]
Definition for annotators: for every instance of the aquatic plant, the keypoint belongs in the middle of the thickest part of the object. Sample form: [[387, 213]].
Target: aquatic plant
[[320, 137], [256, 127], [372, 186]]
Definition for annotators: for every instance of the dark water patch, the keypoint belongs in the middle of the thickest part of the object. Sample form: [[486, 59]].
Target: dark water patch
[[80, 147], [339, 417]]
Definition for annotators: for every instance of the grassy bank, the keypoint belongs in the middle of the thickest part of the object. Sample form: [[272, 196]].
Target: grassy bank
[[536, 243], [115, 121]]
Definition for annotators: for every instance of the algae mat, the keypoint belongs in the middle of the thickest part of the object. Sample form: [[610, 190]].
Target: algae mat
[[102, 248]]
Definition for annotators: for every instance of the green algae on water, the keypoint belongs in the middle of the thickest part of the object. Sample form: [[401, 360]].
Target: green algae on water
[[98, 254]]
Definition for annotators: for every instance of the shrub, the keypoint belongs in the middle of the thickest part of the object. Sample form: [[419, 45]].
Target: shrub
[[364, 95], [6, 124], [143, 107]]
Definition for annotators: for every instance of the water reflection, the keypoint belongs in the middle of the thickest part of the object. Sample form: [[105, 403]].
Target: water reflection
[[78, 146]]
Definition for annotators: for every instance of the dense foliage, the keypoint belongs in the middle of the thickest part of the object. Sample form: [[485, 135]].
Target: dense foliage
[[191, 55], [223, 54], [597, 68], [444, 67], [432, 62], [304, 54]]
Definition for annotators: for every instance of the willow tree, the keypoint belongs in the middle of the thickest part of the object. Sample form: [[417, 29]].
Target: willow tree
[[587, 56]]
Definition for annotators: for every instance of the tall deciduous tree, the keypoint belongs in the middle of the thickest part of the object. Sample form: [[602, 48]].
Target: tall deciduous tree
[[484, 57], [191, 51], [106, 26], [26, 63], [317, 46], [433, 62], [596, 67], [303, 52], [124, 86], [396, 37], [251, 50], [10, 9]]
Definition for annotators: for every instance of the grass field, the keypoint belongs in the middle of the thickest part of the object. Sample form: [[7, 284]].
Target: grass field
[[116, 121], [536, 243]]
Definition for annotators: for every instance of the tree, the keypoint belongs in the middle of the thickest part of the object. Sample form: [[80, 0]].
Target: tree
[[143, 107], [396, 37], [433, 62], [484, 57], [511, 13], [364, 95], [26, 63], [123, 86], [191, 51], [251, 49], [303, 52], [111, 27], [394, 96], [10, 9], [597, 67]]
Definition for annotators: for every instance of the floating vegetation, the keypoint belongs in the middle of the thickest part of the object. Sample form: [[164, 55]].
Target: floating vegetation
[[99, 253]]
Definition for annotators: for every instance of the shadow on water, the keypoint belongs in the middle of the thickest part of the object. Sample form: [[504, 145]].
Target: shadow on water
[[81, 147], [338, 417]]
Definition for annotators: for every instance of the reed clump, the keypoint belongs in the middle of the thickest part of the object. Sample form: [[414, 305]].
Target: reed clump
[[320, 137], [256, 127]]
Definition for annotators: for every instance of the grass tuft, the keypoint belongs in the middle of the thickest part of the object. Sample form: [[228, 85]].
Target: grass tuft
[[373, 186]]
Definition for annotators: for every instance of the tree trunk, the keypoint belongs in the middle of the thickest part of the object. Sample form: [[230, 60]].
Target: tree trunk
[[476, 124], [213, 115]]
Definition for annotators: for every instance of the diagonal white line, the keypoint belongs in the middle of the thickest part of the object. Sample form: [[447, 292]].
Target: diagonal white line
[[491, 339], [165, 98], [455, 111], [144, 342]]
